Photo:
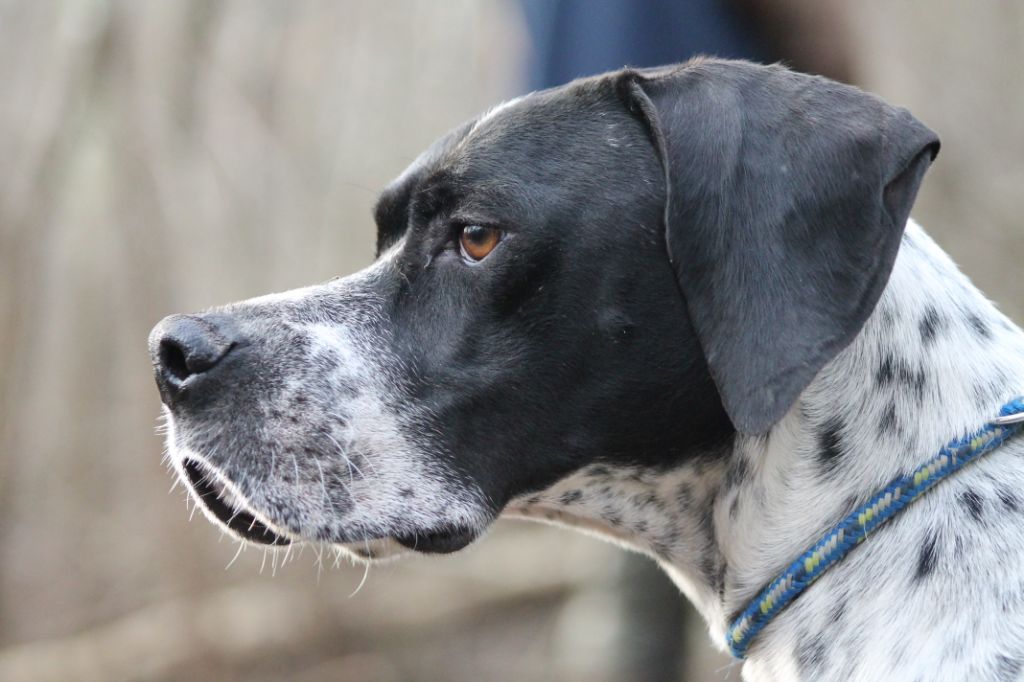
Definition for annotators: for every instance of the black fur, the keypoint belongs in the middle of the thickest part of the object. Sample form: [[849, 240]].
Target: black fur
[[479, 336], [979, 326], [889, 424], [781, 253], [930, 324], [973, 503], [830, 447], [927, 557]]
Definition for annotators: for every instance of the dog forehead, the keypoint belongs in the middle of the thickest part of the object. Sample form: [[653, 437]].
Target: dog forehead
[[561, 142], [545, 121]]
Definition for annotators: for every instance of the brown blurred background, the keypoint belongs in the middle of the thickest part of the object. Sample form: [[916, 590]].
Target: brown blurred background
[[161, 156]]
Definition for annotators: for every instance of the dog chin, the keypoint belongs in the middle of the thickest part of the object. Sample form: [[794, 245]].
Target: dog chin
[[227, 507], [443, 541], [429, 542], [382, 550]]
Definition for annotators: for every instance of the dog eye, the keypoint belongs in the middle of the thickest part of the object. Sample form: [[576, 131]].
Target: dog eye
[[476, 241]]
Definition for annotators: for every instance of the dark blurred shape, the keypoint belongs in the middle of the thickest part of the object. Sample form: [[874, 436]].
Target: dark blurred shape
[[812, 36], [574, 38], [654, 617]]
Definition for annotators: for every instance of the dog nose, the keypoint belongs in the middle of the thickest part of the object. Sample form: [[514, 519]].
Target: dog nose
[[187, 346]]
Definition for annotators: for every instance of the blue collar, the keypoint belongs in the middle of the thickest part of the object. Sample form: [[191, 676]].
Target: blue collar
[[852, 530]]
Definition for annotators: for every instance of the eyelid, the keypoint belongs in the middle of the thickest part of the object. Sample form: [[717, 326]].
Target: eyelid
[[461, 220]]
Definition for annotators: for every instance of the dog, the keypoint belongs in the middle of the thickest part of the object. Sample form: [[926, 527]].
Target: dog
[[684, 309]]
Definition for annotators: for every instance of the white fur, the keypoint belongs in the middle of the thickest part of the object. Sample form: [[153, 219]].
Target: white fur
[[962, 621]]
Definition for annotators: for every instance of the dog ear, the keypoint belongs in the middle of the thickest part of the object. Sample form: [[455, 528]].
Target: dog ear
[[786, 199]]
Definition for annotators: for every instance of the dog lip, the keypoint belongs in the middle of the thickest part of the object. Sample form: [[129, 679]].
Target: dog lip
[[443, 541], [214, 496]]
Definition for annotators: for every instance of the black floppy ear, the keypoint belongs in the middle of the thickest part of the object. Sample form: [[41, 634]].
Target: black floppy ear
[[787, 196]]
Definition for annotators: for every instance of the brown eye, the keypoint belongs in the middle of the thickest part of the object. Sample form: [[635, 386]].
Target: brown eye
[[476, 241]]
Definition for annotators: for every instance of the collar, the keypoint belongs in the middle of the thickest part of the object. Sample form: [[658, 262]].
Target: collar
[[852, 530]]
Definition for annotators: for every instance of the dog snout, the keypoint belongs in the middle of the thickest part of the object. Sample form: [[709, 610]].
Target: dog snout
[[185, 348]]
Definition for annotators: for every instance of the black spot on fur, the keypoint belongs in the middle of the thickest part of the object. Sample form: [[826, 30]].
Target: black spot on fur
[[917, 381], [406, 492], [830, 448], [888, 316], [837, 612], [893, 370], [973, 502], [737, 471], [707, 526], [645, 500], [927, 557], [661, 549], [719, 583], [1008, 668], [931, 323], [979, 326], [982, 392], [888, 425], [812, 654], [958, 547], [885, 373], [734, 507], [684, 496], [709, 570], [912, 379], [670, 537], [1009, 500], [570, 497]]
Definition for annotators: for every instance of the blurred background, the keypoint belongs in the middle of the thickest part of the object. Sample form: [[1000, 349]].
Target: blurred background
[[159, 156]]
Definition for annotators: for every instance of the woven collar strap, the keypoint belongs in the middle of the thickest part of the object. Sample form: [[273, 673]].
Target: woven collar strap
[[852, 530]]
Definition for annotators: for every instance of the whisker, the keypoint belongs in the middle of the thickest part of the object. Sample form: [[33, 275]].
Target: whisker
[[348, 460], [366, 573], [241, 546]]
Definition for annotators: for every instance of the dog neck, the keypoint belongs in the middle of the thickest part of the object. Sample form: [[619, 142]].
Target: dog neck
[[934, 361]]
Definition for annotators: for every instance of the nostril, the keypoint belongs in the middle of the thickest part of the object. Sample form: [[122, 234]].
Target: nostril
[[181, 362], [183, 346], [173, 360]]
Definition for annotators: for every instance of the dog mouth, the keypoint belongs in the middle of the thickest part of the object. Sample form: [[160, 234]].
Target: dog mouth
[[225, 507]]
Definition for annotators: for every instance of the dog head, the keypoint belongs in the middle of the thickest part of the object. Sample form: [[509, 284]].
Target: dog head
[[625, 270]]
